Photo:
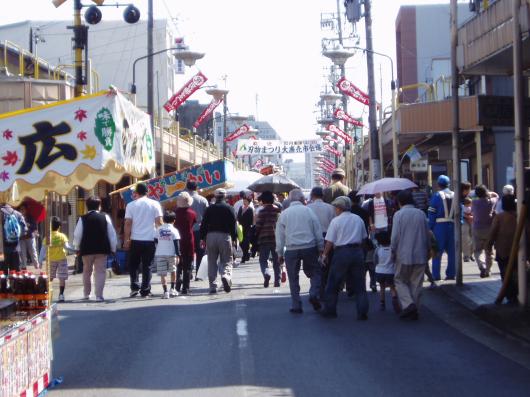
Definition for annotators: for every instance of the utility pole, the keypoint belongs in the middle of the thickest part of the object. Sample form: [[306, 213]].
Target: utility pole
[[225, 113], [343, 74], [519, 124], [456, 143], [79, 31], [150, 99], [375, 164]]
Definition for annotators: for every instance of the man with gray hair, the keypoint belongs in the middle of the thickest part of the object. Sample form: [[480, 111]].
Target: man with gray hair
[[218, 230], [507, 190], [299, 239], [346, 235]]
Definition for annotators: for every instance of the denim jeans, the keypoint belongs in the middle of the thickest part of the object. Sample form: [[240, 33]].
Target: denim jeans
[[293, 259], [264, 252], [347, 262]]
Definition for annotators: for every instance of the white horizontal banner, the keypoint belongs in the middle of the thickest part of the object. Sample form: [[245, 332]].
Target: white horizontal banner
[[272, 147]]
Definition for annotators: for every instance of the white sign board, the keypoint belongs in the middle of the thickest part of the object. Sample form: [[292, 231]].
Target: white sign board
[[421, 165], [273, 147]]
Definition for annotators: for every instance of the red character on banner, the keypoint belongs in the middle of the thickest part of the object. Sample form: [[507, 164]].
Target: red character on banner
[[217, 175], [208, 177], [155, 191]]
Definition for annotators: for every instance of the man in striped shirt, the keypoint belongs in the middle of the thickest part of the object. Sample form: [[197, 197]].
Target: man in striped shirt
[[265, 229]]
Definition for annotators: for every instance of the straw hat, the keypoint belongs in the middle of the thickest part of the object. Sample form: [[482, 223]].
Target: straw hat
[[184, 200]]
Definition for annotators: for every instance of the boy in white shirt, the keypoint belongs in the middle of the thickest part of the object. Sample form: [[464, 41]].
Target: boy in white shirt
[[167, 253], [385, 269]]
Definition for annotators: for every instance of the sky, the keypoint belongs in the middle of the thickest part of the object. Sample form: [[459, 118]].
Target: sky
[[269, 49]]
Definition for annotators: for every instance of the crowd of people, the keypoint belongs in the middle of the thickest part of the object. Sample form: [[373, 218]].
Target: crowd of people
[[336, 237]]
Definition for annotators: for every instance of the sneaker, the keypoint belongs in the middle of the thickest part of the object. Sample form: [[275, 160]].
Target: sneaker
[[100, 299], [227, 284], [213, 291], [148, 295], [133, 294], [267, 279], [276, 284], [173, 292], [185, 292], [165, 295], [61, 297], [284, 276]]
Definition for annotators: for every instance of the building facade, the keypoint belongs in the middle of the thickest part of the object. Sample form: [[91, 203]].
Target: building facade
[[113, 46]]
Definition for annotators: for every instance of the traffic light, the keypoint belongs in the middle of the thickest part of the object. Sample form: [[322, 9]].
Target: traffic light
[[93, 15], [131, 14]]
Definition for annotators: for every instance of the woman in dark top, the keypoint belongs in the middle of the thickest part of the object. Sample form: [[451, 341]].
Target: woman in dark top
[[185, 219], [245, 217]]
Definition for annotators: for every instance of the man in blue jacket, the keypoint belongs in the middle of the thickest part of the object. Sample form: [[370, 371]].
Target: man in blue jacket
[[441, 222]]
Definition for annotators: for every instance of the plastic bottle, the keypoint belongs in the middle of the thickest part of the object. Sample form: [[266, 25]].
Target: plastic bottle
[[42, 290], [31, 288], [3, 285]]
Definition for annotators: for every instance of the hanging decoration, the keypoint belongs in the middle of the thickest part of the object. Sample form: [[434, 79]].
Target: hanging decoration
[[185, 92], [350, 89]]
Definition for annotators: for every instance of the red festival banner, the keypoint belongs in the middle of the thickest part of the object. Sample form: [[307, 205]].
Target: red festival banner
[[206, 112], [326, 168], [332, 150], [328, 163], [330, 138], [350, 89], [244, 129], [185, 92], [342, 115], [341, 134]]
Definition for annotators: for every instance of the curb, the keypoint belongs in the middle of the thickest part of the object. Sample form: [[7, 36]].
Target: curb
[[511, 321]]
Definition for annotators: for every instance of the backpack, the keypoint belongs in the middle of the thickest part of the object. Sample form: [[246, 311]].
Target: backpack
[[12, 228]]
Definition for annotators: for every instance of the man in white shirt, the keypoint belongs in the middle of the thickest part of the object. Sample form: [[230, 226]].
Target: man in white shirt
[[299, 233], [324, 211], [142, 216], [345, 236]]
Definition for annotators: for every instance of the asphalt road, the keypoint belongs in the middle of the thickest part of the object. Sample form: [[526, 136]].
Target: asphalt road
[[246, 343]]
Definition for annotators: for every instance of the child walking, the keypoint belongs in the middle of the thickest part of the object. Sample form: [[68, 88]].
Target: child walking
[[385, 269], [57, 256], [167, 253]]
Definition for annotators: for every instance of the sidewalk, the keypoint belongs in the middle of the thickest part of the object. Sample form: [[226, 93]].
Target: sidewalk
[[479, 294]]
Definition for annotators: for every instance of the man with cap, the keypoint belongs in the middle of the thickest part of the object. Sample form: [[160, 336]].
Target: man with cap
[[441, 222], [142, 216], [299, 234], [199, 206], [346, 235], [336, 188], [218, 232]]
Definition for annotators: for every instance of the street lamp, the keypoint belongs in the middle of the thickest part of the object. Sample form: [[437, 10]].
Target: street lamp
[[338, 55], [190, 61], [187, 56]]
